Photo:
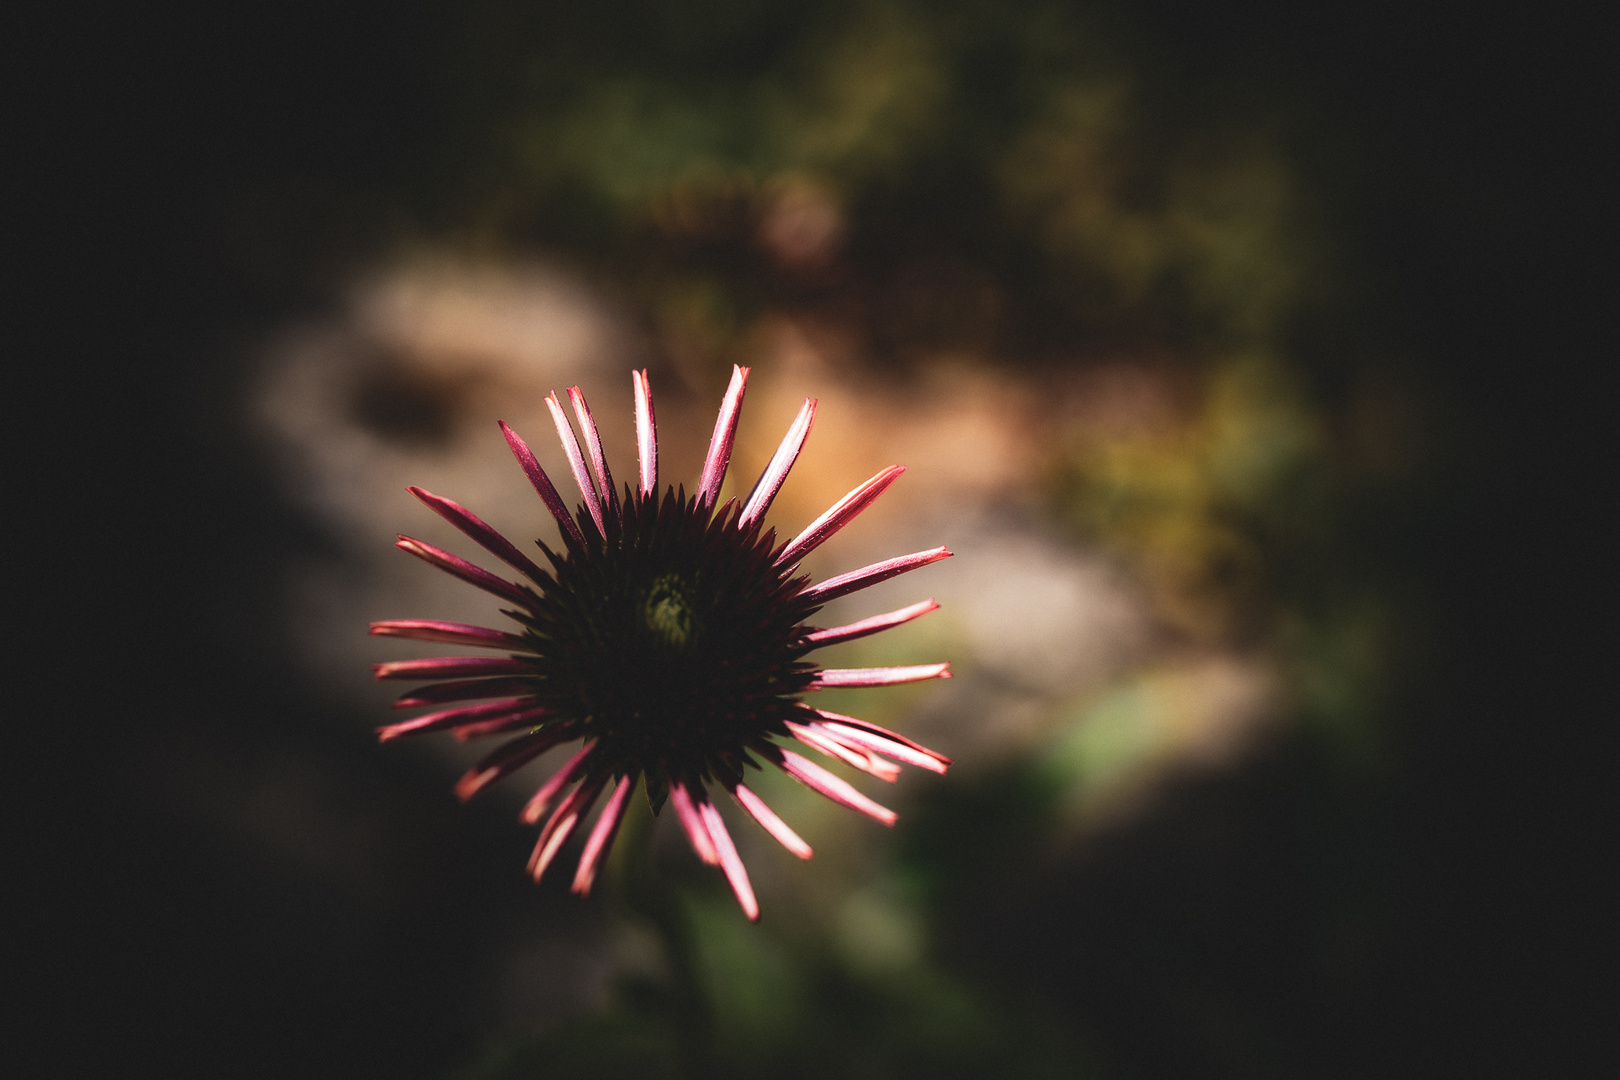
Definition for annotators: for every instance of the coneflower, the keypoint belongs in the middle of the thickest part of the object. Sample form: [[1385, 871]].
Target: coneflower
[[668, 637]]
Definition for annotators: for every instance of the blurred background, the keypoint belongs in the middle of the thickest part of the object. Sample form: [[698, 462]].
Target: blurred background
[[1235, 353]]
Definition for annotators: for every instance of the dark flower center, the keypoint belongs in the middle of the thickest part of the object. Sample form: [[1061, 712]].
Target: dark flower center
[[668, 613], [672, 640]]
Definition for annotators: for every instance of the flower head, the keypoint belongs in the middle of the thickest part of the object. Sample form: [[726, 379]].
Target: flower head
[[669, 638]]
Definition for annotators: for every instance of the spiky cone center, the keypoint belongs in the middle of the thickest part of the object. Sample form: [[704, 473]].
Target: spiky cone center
[[672, 641]]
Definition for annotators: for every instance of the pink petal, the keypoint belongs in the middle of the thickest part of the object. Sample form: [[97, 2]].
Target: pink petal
[[576, 461], [450, 633], [561, 824], [770, 481], [725, 432], [498, 726], [840, 514], [468, 690], [646, 434], [542, 483], [870, 626], [696, 832], [593, 443], [508, 758], [882, 740], [450, 667], [486, 537], [773, 824], [866, 576], [541, 800], [729, 862], [602, 836], [816, 778], [856, 757], [828, 678], [466, 571], [880, 767], [437, 721], [883, 768]]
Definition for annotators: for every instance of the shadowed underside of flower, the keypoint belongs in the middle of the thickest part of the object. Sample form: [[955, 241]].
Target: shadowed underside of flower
[[668, 638]]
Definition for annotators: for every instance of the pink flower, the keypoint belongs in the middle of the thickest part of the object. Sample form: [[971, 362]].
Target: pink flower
[[668, 639]]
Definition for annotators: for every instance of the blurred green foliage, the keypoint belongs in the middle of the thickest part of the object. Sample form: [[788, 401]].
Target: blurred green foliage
[[1004, 178]]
